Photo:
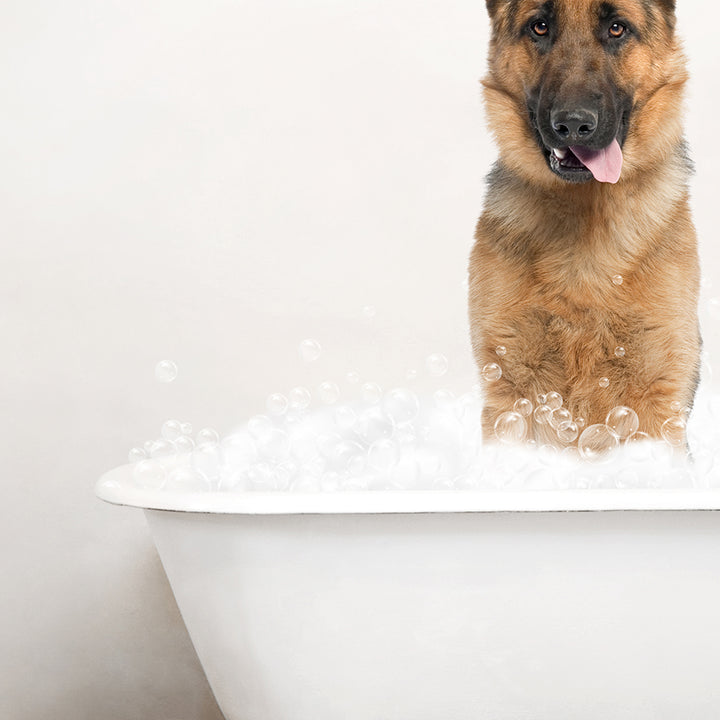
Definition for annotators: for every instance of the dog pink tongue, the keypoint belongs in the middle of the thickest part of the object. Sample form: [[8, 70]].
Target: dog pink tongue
[[605, 164]]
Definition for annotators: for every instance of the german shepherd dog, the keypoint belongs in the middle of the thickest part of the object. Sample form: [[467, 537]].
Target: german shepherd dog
[[585, 267]]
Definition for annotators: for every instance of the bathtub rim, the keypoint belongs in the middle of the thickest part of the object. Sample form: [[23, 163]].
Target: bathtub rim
[[117, 487]]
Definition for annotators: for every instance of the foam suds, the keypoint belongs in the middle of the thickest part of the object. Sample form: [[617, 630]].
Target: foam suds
[[401, 441]]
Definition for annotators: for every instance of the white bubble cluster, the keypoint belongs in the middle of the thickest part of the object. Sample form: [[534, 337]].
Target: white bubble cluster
[[317, 439], [398, 440], [174, 438]]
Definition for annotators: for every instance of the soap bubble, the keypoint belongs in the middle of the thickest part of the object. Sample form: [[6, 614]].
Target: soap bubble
[[136, 454], [316, 466], [617, 279], [327, 442], [149, 474], [171, 430], [238, 449], [411, 374], [627, 478], [571, 453], [258, 425], [553, 400], [542, 414], [352, 483], [501, 351], [580, 422], [261, 477], [349, 455], [604, 382], [303, 444], [207, 436], [673, 431], [466, 481], [383, 455], [405, 435], [436, 364], [491, 372], [276, 404], [442, 429], [345, 418], [369, 311], [676, 406], [703, 462], [661, 452], [619, 351], [523, 406], [428, 464], [558, 416], [284, 473], [371, 393], [467, 405], [443, 398], [184, 444], [161, 448], [309, 350], [330, 481], [187, 479], [510, 427], [353, 377], [596, 441], [622, 421], [567, 431], [299, 398], [548, 455], [401, 405], [205, 458], [186, 428], [274, 445], [373, 425], [329, 393], [166, 371]]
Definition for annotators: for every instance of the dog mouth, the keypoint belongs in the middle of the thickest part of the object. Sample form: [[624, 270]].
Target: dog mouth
[[579, 163]]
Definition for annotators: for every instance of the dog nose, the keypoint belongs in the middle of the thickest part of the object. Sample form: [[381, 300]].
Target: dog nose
[[573, 127]]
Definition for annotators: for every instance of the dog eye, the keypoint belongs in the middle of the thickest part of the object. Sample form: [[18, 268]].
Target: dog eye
[[540, 28], [617, 30]]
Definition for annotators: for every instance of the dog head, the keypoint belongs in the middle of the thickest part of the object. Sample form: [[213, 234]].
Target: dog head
[[584, 90]]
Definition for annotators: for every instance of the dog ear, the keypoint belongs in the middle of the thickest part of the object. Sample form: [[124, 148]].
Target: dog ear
[[667, 8], [498, 8], [493, 5]]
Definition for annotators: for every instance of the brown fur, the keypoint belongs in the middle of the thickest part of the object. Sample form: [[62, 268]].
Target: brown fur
[[546, 250]]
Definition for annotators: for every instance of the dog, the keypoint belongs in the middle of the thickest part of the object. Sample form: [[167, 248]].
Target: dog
[[584, 276]]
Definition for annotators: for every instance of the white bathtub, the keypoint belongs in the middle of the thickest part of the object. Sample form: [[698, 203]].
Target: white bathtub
[[446, 605]]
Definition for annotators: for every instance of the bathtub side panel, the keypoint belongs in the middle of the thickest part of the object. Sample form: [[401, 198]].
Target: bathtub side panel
[[456, 616]]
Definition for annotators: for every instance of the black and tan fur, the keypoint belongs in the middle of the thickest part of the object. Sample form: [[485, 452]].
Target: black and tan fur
[[547, 249]]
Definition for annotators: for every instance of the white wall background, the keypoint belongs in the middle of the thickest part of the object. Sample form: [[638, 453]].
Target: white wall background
[[211, 183]]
